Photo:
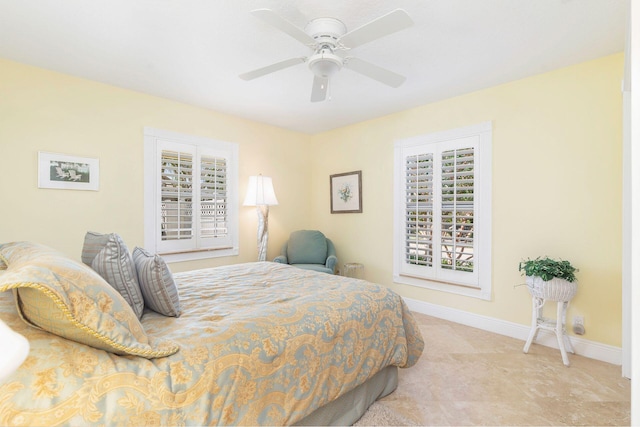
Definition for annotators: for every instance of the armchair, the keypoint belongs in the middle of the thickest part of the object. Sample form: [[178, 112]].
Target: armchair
[[309, 249]]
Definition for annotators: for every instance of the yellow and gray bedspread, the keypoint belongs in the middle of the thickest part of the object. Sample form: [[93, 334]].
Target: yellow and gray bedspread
[[260, 344]]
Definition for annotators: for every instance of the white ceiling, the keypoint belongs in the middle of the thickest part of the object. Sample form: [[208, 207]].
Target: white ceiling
[[193, 50]]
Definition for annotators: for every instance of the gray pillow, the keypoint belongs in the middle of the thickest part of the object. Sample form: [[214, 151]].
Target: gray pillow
[[93, 243], [156, 282], [115, 264]]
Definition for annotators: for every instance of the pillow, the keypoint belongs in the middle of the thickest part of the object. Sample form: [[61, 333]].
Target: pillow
[[67, 298], [109, 257], [307, 247], [156, 282], [93, 243]]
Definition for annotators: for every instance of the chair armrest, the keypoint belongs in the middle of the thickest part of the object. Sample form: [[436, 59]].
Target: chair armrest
[[331, 263], [331, 249], [332, 260], [280, 259]]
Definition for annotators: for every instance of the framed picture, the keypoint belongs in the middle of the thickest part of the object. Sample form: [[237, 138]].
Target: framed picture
[[346, 192], [67, 172]]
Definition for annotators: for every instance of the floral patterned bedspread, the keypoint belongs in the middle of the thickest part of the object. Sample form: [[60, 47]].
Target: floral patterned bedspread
[[260, 344]]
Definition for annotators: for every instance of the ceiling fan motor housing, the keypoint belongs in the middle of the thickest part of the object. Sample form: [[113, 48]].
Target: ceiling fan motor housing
[[326, 31]]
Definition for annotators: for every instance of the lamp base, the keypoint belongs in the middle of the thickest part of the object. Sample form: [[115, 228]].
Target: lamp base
[[263, 231]]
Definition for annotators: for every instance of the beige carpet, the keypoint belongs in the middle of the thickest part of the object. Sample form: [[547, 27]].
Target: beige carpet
[[380, 415], [468, 377]]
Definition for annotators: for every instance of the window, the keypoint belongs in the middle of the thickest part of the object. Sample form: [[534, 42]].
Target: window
[[442, 202], [191, 196]]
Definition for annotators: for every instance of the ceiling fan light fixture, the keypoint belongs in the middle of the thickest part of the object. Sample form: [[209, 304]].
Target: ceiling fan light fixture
[[325, 64]]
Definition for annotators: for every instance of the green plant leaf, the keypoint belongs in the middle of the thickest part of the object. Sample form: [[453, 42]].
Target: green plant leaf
[[548, 268]]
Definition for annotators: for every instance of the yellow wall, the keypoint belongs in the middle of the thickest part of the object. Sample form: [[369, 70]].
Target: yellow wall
[[557, 188], [45, 111], [556, 176]]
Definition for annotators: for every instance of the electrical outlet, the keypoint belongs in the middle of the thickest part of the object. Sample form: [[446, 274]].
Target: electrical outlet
[[578, 320]]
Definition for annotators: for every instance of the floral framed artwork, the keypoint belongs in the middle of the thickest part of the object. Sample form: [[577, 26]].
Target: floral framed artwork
[[61, 171], [346, 192]]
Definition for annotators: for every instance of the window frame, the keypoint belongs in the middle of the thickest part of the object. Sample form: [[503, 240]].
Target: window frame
[[154, 142], [435, 277]]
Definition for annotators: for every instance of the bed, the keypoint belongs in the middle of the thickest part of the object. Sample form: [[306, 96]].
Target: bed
[[255, 344]]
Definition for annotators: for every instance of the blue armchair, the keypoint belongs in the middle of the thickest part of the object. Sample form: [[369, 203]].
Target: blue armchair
[[309, 249]]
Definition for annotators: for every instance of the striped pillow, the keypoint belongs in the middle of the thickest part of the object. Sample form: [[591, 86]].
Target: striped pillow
[[93, 244], [110, 258], [157, 284]]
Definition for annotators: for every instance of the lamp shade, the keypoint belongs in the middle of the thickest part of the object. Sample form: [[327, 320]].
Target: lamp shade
[[15, 349], [260, 192]]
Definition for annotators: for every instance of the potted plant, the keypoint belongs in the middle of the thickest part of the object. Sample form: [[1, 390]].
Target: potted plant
[[549, 278]]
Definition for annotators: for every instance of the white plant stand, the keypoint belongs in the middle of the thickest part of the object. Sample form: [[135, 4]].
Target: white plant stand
[[560, 291]]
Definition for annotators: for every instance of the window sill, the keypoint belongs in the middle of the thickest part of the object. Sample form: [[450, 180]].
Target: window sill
[[197, 255], [451, 288]]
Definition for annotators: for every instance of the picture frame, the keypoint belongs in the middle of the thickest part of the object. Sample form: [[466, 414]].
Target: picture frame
[[346, 192], [65, 172]]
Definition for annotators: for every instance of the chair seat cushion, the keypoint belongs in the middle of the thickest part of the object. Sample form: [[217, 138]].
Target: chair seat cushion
[[315, 267], [307, 247]]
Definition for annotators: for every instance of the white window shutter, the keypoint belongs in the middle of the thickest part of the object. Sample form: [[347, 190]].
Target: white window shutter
[[176, 186], [213, 201], [419, 209], [191, 196], [443, 222], [458, 212], [176, 225], [457, 209]]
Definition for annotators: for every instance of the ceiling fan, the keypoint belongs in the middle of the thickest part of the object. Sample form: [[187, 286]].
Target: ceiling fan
[[329, 40]]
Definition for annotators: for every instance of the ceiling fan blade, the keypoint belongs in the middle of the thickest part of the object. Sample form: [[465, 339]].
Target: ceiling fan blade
[[319, 90], [271, 68], [386, 24], [373, 71], [270, 17]]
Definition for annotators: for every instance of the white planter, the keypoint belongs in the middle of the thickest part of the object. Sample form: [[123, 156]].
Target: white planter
[[554, 289]]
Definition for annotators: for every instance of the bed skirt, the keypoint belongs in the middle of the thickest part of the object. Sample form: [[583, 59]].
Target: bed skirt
[[348, 408]]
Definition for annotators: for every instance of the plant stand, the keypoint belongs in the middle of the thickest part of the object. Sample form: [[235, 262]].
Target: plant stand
[[561, 292]]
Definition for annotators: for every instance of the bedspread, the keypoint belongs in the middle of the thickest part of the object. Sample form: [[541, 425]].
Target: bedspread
[[260, 344]]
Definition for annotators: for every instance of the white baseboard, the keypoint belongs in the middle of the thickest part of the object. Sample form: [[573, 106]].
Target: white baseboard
[[583, 347]]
